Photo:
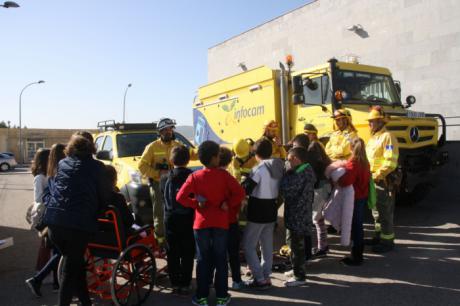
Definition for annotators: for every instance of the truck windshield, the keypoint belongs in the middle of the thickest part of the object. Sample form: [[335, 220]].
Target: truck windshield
[[135, 143], [366, 87]]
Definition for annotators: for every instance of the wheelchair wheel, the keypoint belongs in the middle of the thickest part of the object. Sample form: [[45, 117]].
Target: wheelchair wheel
[[133, 276]]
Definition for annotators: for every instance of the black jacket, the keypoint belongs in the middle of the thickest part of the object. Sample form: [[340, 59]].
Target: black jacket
[[81, 191], [170, 186]]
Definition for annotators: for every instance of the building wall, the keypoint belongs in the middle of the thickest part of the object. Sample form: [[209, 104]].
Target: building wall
[[418, 40], [9, 140]]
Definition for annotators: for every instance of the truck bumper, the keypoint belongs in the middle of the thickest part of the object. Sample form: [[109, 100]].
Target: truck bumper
[[139, 200]]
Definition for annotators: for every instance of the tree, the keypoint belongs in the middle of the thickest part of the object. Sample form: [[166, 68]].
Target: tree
[[3, 124]]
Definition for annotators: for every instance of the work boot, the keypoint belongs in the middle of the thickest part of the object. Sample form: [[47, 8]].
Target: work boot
[[384, 246], [356, 257]]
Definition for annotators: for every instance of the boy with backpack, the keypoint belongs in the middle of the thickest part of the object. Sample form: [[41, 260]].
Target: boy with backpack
[[262, 187], [178, 224], [212, 192]]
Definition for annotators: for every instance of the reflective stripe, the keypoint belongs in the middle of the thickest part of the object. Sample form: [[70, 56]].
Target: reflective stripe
[[387, 236]]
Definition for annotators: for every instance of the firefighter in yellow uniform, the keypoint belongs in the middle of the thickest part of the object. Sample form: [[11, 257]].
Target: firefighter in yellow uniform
[[154, 163], [339, 144], [271, 131], [382, 152], [242, 164]]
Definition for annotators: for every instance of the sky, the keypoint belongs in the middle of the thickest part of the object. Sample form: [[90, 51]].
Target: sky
[[89, 51]]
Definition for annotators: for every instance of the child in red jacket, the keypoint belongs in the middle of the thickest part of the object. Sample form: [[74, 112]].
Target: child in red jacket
[[357, 174], [212, 192]]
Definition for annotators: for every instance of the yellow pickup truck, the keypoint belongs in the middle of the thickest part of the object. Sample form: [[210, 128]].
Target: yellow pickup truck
[[237, 107], [121, 145]]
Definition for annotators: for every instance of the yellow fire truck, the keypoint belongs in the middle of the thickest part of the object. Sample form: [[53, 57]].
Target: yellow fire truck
[[237, 107]]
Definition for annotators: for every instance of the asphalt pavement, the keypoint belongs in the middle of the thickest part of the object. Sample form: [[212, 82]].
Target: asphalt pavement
[[424, 269]]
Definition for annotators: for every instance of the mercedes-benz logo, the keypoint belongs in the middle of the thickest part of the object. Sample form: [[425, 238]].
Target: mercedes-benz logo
[[413, 134]]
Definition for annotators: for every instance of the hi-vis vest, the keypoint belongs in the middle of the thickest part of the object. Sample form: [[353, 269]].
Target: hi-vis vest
[[156, 153], [242, 168], [382, 152], [339, 145]]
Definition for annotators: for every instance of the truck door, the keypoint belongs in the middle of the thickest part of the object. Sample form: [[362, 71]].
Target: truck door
[[317, 107]]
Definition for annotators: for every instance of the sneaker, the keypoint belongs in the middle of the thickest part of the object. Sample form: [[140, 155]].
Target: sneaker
[[199, 302], [262, 285], [223, 301], [55, 287], [289, 273], [34, 286], [238, 285], [293, 282], [320, 253]]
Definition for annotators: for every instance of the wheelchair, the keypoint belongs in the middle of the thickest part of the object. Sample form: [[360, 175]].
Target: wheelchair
[[121, 265]]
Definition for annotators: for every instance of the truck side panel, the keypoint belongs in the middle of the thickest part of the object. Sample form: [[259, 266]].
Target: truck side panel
[[236, 107]]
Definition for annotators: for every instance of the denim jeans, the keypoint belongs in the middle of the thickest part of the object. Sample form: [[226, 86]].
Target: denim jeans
[[211, 248], [51, 265]]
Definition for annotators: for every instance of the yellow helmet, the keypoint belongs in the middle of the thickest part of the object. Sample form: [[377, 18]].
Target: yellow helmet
[[341, 113], [376, 112], [241, 147]]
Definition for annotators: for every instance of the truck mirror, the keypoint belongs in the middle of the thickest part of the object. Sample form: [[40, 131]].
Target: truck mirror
[[104, 155], [297, 90], [312, 85], [410, 100]]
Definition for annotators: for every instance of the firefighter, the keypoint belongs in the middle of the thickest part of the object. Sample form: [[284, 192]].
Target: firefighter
[[155, 163], [382, 152], [339, 144], [243, 161], [271, 131]]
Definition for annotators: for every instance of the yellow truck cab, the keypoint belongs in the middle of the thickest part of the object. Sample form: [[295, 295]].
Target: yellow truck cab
[[237, 107], [121, 145]]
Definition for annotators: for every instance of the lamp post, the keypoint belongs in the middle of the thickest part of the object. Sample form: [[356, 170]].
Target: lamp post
[[124, 101], [9, 4], [21, 157]]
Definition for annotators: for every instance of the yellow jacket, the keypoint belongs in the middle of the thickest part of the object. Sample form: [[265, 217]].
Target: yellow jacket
[[383, 152], [237, 169], [277, 151], [157, 155], [339, 145]]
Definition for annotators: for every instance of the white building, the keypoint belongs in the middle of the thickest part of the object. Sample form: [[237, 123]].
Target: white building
[[418, 40]]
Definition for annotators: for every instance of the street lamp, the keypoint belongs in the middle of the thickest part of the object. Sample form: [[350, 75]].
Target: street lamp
[[21, 158], [124, 100], [9, 4]]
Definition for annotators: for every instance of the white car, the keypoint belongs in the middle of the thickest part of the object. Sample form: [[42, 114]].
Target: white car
[[7, 162]]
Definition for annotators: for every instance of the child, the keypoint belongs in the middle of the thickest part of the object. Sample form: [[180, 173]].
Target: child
[[319, 161], [118, 200], [233, 247], [178, 224], [262, 186], [357, 174], [298, 192], [211, 192]]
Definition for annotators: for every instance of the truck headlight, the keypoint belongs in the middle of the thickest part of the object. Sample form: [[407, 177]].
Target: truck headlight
[[136, 177]]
